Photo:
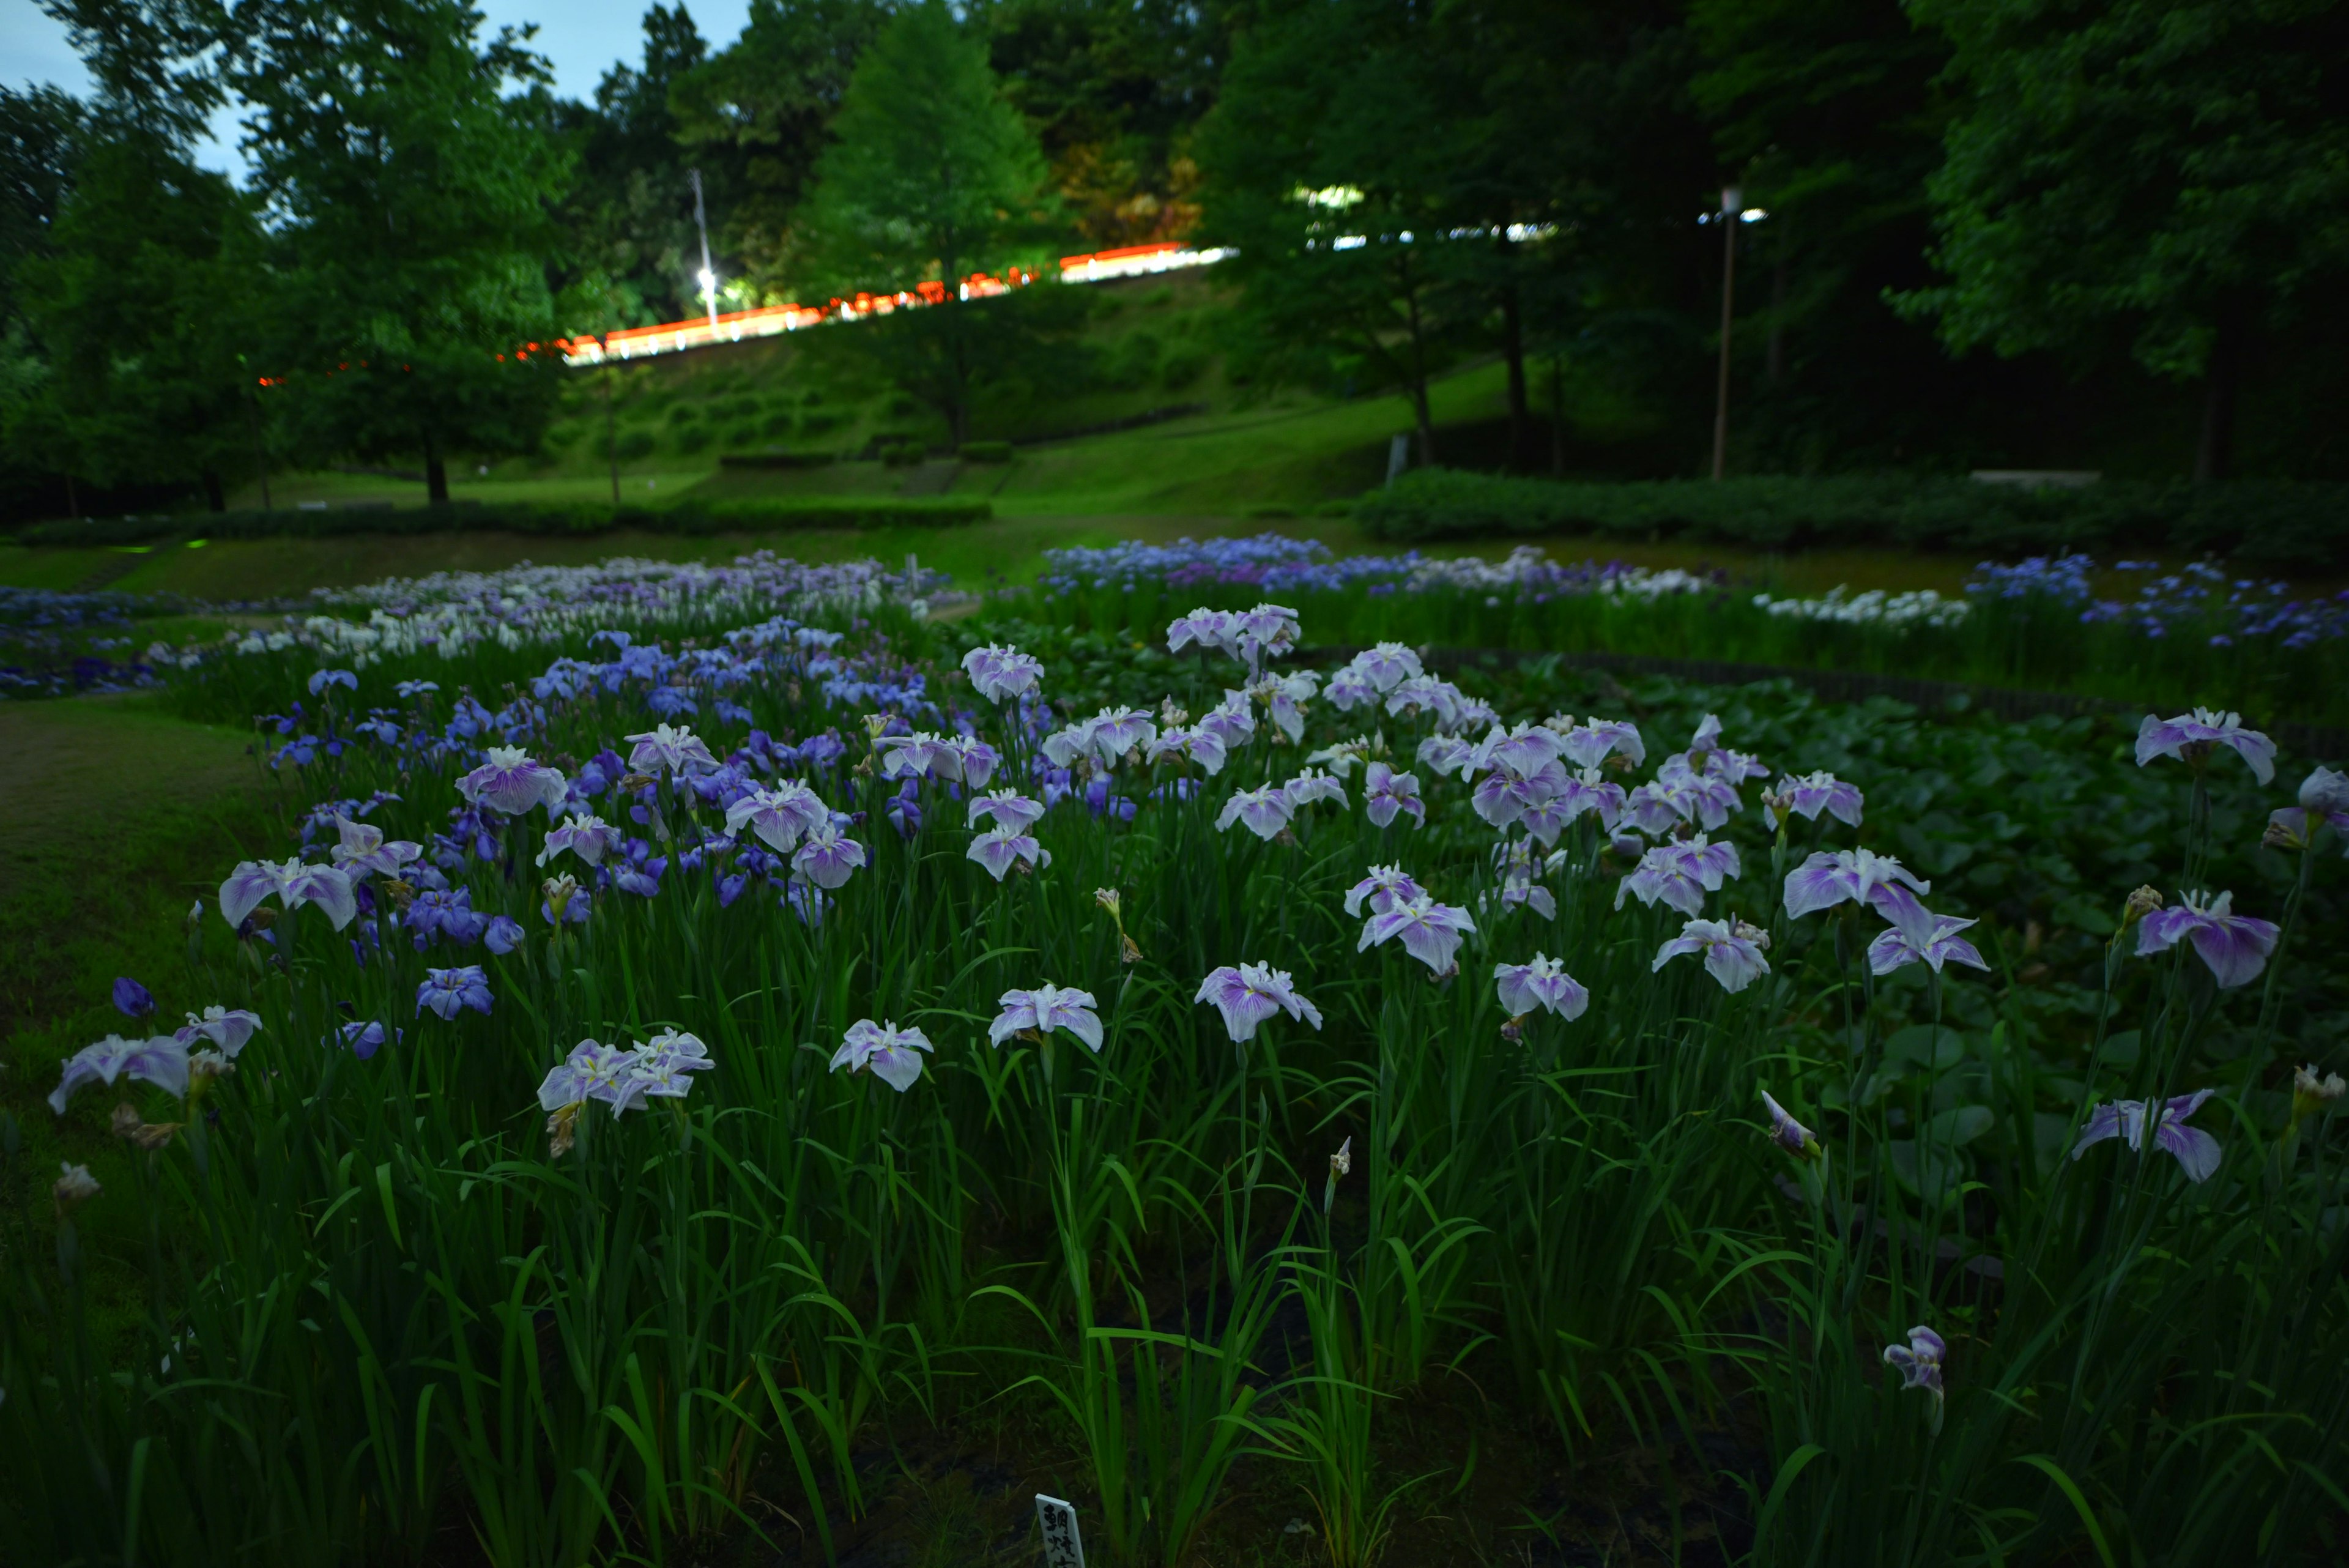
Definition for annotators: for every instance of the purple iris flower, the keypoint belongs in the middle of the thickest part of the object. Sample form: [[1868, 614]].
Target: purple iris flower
[[503, 935], [2325, 792], [450, 914], [1284, 698], [1312, 786], [1586, 792], [1266, 811], [826, 858], [592, 1071], [365, 1038], [1199, 743], [1113, 731], [323, 679], [1268, 631], [1543, 982], [1732, 955], [1526, 748], [2236, 947], [918, 755], [2197, 1152], [2192, 737], [978, 759], [587, 836], [1218, 629], [364, 850], [1447, 754], [162, 1061], [642, 877], [1387, 794], [663, 749], [1895, 947], [294, 885], [512, 784], [1230, 722], [1785, 1131], [894, 1054], [1045, 1009], [1589, 743], [415, 688], [1919, 1361], [1679, 874], [999, 672], [131, 999], [1249, 994], [1503, 795], [780, 816], [1860, 875], [1430, 931], [1809, 795], [1000, 848], [447, 992], [662, 1069], [1385, 886], [224, 1029], [1007, 808]]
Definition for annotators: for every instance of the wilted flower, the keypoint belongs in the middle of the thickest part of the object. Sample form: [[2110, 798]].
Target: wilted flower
[[2197, 1152], [75, 1186], [1894, 947], [674, 750], [561, 900], [131, 999], [1809, 795], [1000, 848], [2140, 904], [893, 1053], [294, 885], [2311, 1094], [162, 1061], [139, 1133], [1044, 1010], [227, 1028], [998, 671], [1250, 993], [1342, 1164], [1789, 1134], [1111, 899], [2190, 738], [1543, 982], [1430, 931], [449, 991], [1387, 794], [1734, 961], [1265, 810], [2236, 947], [826, 858], [512, 784]]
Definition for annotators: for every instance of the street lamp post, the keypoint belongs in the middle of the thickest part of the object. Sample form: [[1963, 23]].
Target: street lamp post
[[1732, 208], [708, 277]]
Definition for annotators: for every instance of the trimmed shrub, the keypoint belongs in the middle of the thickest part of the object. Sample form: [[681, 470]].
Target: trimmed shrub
[[984, 452], [688, 516], [2268, 525], [636, 443]]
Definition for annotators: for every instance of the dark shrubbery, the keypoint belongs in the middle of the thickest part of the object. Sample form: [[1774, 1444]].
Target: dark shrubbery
[[2270, 524], [984, 452], [464, 516]]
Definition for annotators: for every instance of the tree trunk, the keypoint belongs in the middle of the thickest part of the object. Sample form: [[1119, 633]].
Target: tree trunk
[[1419, 370], [436, 475], [1778, 316], [1513, 348], [1558, 416], [213, 496], [2214, 455]]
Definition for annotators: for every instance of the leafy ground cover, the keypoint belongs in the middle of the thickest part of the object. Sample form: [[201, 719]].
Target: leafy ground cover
[[578, 1188]]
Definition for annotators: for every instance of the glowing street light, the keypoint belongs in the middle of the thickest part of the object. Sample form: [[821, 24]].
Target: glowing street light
[[708, 277]]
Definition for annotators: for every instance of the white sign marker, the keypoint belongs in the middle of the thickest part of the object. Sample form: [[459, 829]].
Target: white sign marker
[[1062, 1546]]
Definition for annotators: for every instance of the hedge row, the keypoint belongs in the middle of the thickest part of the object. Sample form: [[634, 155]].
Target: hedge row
[[2267, 524], [748, 516]]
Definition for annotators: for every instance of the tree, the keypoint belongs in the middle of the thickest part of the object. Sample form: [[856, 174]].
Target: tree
[[935, 177], [630, 211], [755, 119], [2172, 173], [413, 198], [1332, 163]]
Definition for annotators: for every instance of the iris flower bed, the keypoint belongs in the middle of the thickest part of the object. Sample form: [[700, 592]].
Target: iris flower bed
[[671, 1060], [2135, 632]]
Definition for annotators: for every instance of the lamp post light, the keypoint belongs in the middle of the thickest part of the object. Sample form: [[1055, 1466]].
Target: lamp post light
[[708, 277], [1732, 207]]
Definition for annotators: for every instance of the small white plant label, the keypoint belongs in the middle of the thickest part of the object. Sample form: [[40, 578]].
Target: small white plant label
[[1062, 1546]]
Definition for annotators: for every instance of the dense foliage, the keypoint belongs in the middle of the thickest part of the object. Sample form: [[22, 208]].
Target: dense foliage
[[688, 516], [599, 1133]]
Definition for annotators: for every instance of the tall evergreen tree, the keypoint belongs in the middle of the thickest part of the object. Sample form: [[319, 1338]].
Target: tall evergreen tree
[[934, 176]]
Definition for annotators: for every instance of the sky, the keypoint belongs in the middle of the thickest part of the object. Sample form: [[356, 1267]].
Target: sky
[[582, 38]]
